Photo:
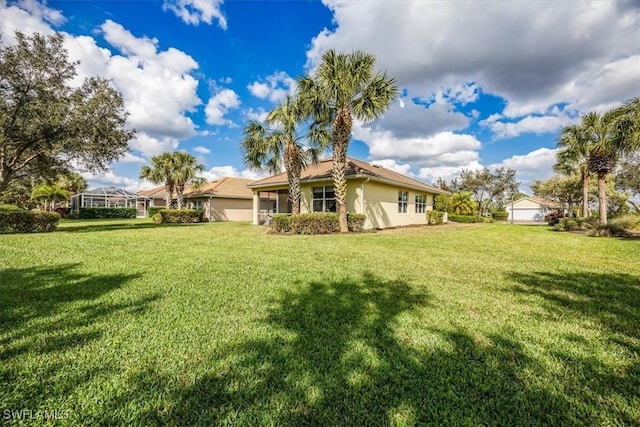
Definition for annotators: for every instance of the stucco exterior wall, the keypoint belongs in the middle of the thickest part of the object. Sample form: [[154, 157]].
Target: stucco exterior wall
[[526, 203], [380, 203], [223, 209]]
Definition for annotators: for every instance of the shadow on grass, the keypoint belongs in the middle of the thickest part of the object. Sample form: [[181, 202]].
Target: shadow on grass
[[333, 354], [609, 302], [70, 227], [45, 312]]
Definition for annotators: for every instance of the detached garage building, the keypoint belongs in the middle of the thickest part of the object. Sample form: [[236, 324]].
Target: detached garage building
[[531, 208]]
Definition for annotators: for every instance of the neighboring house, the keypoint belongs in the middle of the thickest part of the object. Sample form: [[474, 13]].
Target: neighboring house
[[385, 197], [531, 208], [110, 197], [226, 199]]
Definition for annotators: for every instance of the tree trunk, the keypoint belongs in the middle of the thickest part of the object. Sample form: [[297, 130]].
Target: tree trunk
[[168, 196], [180, 195], [341, 135], [293, 166], [602, 198], [585, 196]]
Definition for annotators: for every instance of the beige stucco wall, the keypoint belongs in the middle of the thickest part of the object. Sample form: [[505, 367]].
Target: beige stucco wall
[[380, 206], [526, 203], [223, 209]]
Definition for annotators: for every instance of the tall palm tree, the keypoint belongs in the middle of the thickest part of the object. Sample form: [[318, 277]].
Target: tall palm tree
[[573, 156], [48, 195], [604, 138], [345, 87], [281, 142], [161, 172], [185, 169]]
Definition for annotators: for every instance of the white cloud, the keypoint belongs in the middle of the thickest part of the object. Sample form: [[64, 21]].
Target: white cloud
[[110, 179], [193, 12], [201, 150], [532, 54], [219, 105], [446, 172], [530, 124], [151, 146], [403, 168], [17, 17], [218, 172], [131, 158], [537, 164], [259, 114], [276, 87]]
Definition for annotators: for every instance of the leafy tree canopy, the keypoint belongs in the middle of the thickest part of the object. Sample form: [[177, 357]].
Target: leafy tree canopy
[[48, 126]]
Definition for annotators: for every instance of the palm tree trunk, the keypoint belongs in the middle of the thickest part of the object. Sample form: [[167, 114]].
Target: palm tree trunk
[[341, 134], [168, 196], [180, 195], [602, 198], [293, 166], [585, 196]]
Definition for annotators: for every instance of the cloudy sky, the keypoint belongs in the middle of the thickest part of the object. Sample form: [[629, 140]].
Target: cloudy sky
[[484, 83]]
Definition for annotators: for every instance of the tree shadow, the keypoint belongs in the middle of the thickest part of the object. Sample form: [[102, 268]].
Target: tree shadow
[[331, 353], [609, 302], [46, 311]]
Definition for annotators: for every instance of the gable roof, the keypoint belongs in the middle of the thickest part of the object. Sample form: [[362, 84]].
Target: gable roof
[[544, 202], [321, 171], [229, 187]]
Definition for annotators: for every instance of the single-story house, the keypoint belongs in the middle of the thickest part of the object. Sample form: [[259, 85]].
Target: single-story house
[[531, 208], [226, 199], [385, 197]]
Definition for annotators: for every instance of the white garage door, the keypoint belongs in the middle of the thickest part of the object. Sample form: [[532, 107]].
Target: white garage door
[[530, 214]]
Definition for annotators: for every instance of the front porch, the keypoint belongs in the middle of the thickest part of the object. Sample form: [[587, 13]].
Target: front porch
[[267, 203]]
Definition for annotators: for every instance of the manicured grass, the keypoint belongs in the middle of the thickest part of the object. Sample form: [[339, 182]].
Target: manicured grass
[[125, 322]]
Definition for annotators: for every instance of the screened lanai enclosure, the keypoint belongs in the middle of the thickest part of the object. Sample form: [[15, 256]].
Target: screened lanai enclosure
[[110, 197]]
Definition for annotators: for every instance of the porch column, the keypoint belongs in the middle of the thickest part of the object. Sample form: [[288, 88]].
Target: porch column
[[256, 207]]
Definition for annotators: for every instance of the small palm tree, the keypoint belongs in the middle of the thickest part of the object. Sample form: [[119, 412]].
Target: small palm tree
[[161, 172], [185, 169], [461, 203], [49, 195], [573, 157], [283, 144], [345, 87]]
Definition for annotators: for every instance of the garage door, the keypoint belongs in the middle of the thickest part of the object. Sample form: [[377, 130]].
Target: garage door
[[530, 214]]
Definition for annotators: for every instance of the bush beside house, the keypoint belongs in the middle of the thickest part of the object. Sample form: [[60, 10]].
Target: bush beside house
[[16, 220], [315, 223], [104, 213]]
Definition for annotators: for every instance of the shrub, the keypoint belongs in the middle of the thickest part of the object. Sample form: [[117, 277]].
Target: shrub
[[281, 223], [553, 218], [568, 224], [627, 222], [355, 222], [435, 217], [608, 230], [499, 215], [63, 212], [10, 208], [181, 216], [157, 218], [21, 221], [467, 219], [152, 210], [94, 213], [315, 223]]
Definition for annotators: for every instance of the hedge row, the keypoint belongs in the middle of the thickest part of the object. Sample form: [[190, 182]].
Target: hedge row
[[93, 213], [499, 215], [315, 223], [21, 221], [467, 219], [435, 217], [180, 216], [152, 210]]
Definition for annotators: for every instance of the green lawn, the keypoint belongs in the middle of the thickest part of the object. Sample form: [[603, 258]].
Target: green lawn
[[125, 322]]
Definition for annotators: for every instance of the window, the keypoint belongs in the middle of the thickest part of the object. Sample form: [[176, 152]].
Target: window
[[196, 204], [403, 200], [421, 203], [324, 199]]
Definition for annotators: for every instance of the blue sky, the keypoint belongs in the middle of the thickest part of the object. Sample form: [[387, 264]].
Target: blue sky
[[484, 83]]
